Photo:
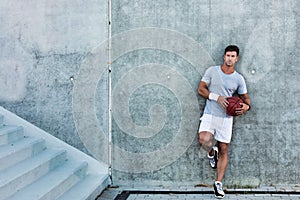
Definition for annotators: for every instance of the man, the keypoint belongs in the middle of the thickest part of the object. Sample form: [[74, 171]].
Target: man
[[218, 83]]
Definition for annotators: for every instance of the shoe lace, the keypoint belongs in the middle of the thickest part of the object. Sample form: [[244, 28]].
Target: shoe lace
[[219, 187], [212, 161]]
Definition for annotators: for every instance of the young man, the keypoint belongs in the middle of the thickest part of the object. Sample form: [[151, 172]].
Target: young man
[[218, 83]]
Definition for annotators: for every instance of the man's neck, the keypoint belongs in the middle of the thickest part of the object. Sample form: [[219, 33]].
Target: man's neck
[[227, 69]]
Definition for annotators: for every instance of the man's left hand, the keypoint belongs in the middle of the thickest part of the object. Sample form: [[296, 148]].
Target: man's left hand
[[242, 110]]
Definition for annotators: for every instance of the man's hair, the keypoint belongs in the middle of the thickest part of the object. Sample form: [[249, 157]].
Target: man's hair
[[232, 48]]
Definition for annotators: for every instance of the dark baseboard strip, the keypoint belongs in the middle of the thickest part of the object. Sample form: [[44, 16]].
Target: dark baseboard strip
[[126, 193]]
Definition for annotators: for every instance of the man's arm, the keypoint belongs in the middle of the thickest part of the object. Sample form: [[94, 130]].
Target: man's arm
[[203, 90], [246, 98], [245, 106]]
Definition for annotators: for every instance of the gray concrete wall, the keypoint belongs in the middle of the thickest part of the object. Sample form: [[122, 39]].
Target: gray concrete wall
[[44, 45], [54, 73]]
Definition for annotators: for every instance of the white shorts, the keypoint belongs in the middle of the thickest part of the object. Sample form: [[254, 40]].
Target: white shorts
[[220, 127]]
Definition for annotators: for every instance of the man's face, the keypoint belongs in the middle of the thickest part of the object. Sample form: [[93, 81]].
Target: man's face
[[230, 58]]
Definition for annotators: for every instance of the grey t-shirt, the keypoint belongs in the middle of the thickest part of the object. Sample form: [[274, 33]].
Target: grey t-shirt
[[224, 85]]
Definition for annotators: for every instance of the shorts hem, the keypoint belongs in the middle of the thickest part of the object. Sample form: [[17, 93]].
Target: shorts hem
[[223, 141]]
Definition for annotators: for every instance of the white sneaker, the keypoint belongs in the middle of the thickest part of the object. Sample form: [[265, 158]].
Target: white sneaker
[[213, 160], [218, 189]]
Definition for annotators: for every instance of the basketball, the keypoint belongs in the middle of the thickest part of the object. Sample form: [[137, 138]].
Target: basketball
[[234, 102]]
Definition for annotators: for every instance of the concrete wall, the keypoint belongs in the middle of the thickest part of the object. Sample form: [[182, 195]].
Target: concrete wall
[[54, 71], [43, 48]]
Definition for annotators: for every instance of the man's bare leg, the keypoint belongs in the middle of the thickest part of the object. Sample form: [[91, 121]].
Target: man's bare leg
[[222, 161]]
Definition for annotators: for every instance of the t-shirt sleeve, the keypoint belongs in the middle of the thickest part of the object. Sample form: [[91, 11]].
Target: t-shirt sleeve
[[242, 89], [207, 76]]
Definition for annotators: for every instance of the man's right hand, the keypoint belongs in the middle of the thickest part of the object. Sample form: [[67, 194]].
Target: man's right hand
[[222, 101]]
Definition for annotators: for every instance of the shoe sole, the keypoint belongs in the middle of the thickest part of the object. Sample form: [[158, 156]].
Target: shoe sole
[[219, 197]]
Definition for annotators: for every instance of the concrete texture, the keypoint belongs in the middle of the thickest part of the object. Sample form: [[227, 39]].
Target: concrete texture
[[263, 149], [43, 44], [54, 71]]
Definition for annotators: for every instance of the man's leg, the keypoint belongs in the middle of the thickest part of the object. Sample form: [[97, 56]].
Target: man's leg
[[212, 151], [223, 160], [221, 168], [223, 133], [206, 141]]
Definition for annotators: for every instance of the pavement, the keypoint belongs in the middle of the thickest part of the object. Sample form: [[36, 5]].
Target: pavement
[[291, 192]]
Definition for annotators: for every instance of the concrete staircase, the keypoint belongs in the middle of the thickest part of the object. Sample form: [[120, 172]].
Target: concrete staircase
[[35, 165]]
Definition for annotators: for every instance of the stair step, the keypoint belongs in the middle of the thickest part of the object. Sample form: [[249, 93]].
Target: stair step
[[54, 184], [30, 170], [18, 151], [89, 188], [32, 166], [9, 134]]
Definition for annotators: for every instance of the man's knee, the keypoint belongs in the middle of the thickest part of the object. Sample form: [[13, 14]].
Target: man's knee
[[206, 140], [205, 137]]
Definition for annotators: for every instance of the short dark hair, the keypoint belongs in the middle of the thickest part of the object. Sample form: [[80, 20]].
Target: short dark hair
[[232, 48]]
